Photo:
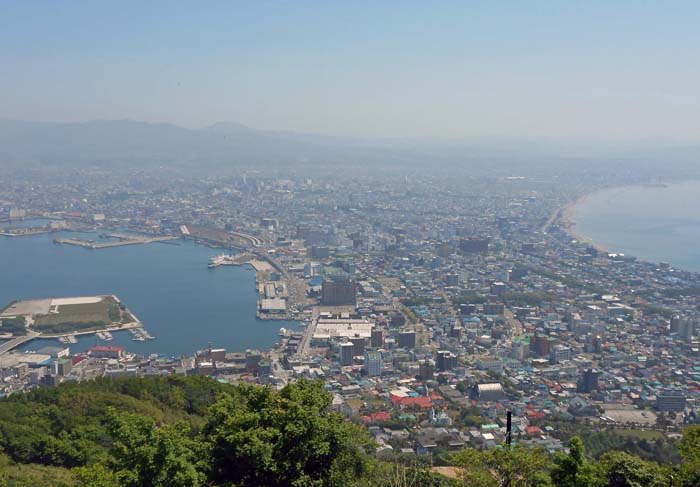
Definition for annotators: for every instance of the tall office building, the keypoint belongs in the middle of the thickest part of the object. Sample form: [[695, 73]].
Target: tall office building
[[589, 381], [373, 363], [675, 324], [446, 360], [358, 345], [686, 330], [426, 369], [377, 339], [498, 289], [338, 293], [540, 345], [407, 339], [347, 352]]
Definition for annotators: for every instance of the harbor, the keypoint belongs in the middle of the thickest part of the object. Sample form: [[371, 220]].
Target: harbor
[[65, 319], [280, 296], [226, 301], [140, 335]]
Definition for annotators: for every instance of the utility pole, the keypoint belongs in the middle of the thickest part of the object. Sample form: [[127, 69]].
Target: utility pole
[[509, 430]]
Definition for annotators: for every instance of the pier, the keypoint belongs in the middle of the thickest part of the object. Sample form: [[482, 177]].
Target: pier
[[123, 240]]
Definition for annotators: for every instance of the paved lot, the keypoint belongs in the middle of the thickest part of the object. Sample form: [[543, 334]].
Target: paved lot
[[32, 307]]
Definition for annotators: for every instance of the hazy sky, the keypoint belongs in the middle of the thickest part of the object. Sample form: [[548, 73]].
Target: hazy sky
[[579, 68]]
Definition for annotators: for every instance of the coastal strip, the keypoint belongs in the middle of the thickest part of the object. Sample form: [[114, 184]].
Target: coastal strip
[[566, 218]]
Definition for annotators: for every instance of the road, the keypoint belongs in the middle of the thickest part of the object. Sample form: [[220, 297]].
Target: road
[[305, 345], [17, 341], [278, 369], [514, 323]]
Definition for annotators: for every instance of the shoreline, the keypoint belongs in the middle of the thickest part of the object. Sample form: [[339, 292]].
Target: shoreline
[[567, 217], [258, 264]]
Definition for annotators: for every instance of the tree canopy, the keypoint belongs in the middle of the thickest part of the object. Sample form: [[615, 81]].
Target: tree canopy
[[196, 432]]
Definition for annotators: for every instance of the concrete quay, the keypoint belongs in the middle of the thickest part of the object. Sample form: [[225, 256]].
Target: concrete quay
[[123, 240]]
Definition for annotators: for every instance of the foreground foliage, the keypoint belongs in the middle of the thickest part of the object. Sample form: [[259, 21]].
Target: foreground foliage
[[196, 432], [68, 425]]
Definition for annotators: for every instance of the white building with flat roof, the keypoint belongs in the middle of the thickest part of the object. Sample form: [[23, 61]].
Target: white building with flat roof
[[339, 329]]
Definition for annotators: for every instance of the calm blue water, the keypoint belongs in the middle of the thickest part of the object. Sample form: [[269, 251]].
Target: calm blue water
[[169, 288], [651, 223]]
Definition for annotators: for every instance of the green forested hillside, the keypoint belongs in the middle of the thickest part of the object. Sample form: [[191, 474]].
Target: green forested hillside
[[68, 425], [194, 431]]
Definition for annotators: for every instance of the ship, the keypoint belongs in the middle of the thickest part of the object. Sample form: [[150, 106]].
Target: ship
[[104, 335]]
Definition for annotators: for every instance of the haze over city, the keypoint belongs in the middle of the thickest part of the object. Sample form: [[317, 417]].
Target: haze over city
[[587, 69], [349, 244]]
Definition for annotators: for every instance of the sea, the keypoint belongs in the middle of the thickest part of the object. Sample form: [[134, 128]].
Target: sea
[[168, 286], [658, 223]]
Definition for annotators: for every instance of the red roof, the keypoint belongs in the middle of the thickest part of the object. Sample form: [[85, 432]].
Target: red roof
[[77, 359], [422, 401], [380, 416]]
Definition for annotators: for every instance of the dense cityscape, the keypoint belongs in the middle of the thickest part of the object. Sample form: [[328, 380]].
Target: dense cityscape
[[428, 307], [349, 244]]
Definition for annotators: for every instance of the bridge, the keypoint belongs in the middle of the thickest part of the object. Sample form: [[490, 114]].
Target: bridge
[[17, 341]]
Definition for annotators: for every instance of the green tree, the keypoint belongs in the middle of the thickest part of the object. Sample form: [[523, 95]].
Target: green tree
[[290, 438], [502, 467], [689, 447], [624, 470], [148, 456], [572, 470], [97, 475]]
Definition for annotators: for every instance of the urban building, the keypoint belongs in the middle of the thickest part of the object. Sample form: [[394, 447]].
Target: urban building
[[338, 293], [407, 339], [373, 363], [671, 400], [347, 353]]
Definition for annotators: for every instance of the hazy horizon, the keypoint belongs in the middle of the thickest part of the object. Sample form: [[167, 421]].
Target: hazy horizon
[[623, 71], [648, 140]]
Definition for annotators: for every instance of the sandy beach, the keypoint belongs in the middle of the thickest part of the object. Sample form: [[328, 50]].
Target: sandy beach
[[567, 220]]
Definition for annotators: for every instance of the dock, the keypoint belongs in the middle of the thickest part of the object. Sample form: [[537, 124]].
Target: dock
[[123, 239], [229, 259]]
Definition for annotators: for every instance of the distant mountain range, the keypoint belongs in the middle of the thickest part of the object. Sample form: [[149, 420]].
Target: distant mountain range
[[127, 143]]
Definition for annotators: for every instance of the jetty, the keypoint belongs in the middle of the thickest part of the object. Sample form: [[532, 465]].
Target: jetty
[[122, 239]]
